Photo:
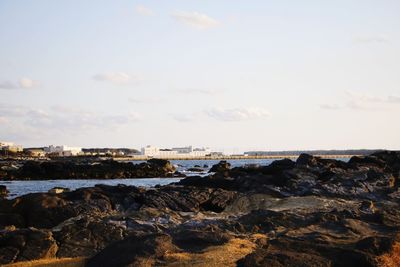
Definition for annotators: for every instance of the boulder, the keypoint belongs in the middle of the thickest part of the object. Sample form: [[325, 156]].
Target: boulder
[[26, 245], [85, 236], [222, 167], [134, 251]]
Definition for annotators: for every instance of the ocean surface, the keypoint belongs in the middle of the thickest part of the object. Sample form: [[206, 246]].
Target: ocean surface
[[18, 188]]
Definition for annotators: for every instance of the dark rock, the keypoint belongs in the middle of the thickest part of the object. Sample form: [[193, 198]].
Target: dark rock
[[197, 240], [196, 169], [134, 251], [3, 191], [109, 169], [282, 258], [11, 219], [26, 244], [86, 236], [222, 167]]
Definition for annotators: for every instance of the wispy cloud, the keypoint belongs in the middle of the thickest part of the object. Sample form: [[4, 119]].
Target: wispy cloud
[[195, 20], [370, 98], [393, 99], [237, 114], [198, 91], [184, 117], [64, 119], [23, 83], [363, 101], [116, 77], [145, 100], [330, 106], [380, 38], [3, 120], [144, 11]]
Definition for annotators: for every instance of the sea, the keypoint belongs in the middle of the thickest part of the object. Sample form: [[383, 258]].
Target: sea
[[18, 188]]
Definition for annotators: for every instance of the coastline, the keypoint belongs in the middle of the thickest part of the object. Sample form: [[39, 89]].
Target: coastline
[[234, 157]]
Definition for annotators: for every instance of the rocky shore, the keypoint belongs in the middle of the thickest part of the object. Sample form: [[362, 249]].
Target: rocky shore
[[77, 169], [311, 212]]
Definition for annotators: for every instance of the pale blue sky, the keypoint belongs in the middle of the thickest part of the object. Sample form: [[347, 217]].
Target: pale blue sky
[[232, 75]]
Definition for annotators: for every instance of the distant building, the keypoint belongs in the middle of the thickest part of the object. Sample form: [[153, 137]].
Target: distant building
[[4, 144], [11, 147], [167, 153], [183, 150], [176, 152], [110, 152], [150, 151], [201, 152], [63, 150], [35, 152]]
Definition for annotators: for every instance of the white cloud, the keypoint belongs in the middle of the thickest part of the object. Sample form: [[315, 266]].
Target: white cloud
[[237, 114], [195, 19], [64, 119], [116, 77], [23, 83], [144, 11]]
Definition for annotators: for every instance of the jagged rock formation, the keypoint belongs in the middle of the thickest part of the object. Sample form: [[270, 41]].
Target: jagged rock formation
[[74, 169], [312, 212]]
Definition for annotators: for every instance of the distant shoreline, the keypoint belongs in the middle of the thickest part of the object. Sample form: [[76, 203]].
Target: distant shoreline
[[145, 158], [138, 158]]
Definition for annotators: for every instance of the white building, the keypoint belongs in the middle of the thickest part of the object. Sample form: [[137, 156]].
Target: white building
[[176, 152], [167, 153], [150, 151], [63, 150], [4, 144], [9, 146], [201, 152], [183, 150]]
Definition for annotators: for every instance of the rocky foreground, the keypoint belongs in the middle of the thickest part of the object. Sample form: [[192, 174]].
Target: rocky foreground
[[84, 169], [312, 212]]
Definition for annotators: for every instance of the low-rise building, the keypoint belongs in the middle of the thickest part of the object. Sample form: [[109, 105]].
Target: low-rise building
[[150, 151], [11, 147], [63, 150], [176, 152], [183, 150], [35, 152]]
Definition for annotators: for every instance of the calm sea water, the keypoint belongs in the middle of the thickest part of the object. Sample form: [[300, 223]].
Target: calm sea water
[[18, 188]]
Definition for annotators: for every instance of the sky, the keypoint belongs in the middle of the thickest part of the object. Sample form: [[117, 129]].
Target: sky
[[230, 75]]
